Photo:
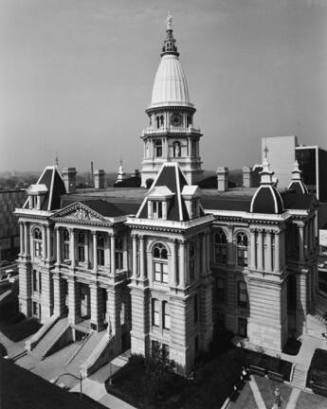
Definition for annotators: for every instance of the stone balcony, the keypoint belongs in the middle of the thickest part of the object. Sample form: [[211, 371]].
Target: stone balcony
[[170, 129]]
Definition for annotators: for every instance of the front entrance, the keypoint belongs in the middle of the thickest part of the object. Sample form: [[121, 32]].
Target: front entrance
[[84, 292]]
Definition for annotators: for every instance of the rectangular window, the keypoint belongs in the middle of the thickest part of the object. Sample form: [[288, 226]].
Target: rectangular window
[[242, 327], [35, 309], [40, 282], [119, 260], [81, 253], [165, 273], [165, 315], [196, 308], [242, 294], [157, 210], [157, 271], [100, 257], [155, 312], [165, 351], [242, 257], [155, 348], [34, 280]]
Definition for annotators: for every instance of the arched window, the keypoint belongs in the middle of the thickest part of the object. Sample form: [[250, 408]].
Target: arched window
[[242, 294], [161, 121], [220, 247], [242, 249], [37, 242], [100, 249], [177, 149], [66, 244], [192, 262], [158, 148], [160, 263]]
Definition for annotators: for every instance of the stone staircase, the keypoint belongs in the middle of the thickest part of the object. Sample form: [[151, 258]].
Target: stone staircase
[[299, 378], [85, 350], [50, 338]]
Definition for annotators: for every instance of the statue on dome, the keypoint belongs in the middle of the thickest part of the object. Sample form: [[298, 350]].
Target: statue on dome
[[169, 22]]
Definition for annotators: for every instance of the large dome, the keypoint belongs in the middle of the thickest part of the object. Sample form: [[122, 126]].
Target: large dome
[[170, 85]]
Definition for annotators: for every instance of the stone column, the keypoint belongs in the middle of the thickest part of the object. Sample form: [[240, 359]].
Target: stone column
[[113, 260], [95, 310], [58, 293], [182, 264], [306, 240], [74, 302], [277, 253], [259, 251], [173, 279], [46, 296], [268, 252], [113, 312], [49, 247], [87, 248], [58, 244], [302, 301], [27, 240], [95, 258], [141, 252], [72, 247], [44, 243], [21, 239], [252, 250], [301, 244], [134, 255], [107, 252]]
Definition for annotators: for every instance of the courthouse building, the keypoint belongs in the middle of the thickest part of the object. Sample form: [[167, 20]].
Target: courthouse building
[[165, 265]]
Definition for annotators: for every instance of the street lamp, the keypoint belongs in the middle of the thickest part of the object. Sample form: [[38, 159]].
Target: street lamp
[[277, 400]]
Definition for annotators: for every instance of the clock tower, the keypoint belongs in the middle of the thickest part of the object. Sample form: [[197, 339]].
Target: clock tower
[[170, 134]]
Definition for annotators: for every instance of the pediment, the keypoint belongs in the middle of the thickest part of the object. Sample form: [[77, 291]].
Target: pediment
[[80, 213]]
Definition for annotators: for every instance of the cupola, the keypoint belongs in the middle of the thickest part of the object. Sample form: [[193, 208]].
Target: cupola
[[267, 199], [297, 185]]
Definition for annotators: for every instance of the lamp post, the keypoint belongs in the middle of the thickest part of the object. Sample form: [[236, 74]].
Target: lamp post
[[277, 400], [110, 337]]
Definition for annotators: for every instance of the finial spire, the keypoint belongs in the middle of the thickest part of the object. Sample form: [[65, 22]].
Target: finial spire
[[169, 46], [169, 21]]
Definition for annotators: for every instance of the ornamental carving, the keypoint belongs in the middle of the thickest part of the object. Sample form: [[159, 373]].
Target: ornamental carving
[[82, 214]]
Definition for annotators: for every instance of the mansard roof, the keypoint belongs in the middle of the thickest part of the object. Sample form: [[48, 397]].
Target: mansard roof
[[171, 177], [295, 200], [52, 186]]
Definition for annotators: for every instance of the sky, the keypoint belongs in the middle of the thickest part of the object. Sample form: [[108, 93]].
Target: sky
[[77, 75]]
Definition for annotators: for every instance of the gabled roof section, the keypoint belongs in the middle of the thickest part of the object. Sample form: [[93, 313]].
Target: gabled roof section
[[170, 178], [52, 184]]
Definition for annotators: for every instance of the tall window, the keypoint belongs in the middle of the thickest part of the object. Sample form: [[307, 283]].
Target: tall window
[[242, 249], [165, 315], [100, 249], [37, 242], [119, 253], [160, 262], [242, 327], [81, 239], [66, 244], [242, 294], [34, 281], [220, 247], [155, 312], [158, 148], [192, 262]]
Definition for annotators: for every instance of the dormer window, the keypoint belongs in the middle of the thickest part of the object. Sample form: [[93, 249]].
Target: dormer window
[[158, 148], [157, 210]]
